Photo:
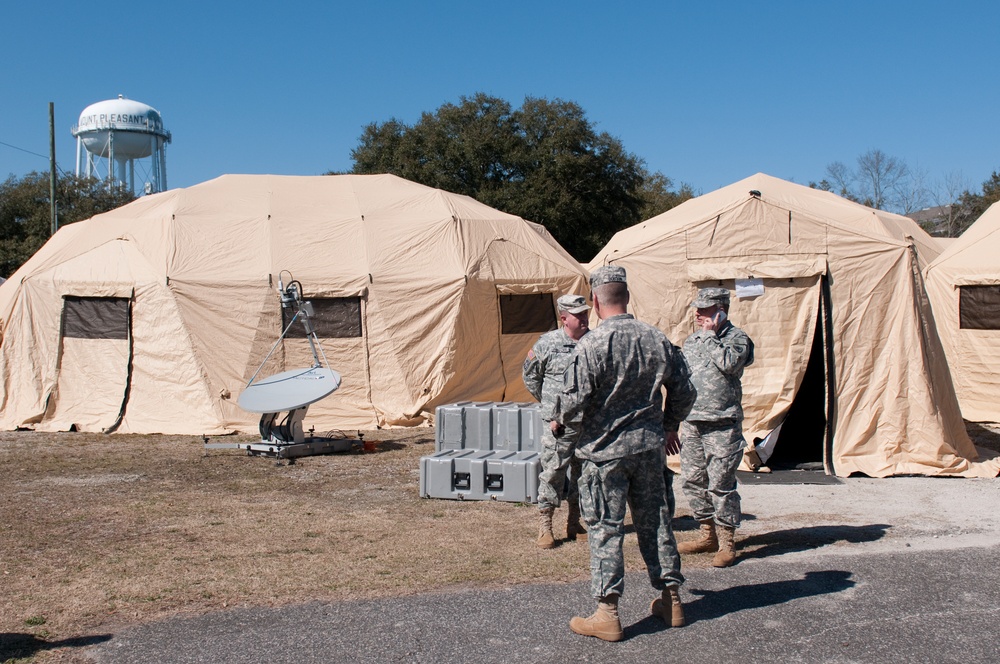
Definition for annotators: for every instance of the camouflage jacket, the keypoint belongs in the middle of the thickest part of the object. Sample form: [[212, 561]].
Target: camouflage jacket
[[544, 367], [612, 389], [716, 361]]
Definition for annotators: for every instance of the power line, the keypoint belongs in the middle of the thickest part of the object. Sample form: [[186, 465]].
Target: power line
[[63, 171], [23, 150]]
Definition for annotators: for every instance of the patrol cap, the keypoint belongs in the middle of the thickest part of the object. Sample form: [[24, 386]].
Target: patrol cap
[[709, 297], [574, 304], [607, 274]]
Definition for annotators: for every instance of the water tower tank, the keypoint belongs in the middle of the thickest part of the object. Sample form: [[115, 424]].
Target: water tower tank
[[114, 136]]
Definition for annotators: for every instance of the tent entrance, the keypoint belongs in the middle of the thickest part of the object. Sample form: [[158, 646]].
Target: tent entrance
[[523, 317], [94, 365], [804, 436]]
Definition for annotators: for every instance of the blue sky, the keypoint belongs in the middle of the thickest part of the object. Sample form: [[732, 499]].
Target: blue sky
[[706, 92]]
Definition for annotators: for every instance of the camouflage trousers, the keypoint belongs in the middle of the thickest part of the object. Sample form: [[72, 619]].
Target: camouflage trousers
[[606, 489], [559, 463], [710, 454], [668, 483]]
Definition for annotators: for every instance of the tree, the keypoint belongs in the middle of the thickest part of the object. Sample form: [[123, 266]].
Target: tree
[[914, 192], [948, 194], [841, 180], [658, 194], [879, 176], [879, 181], [25, 223], [543, 161], [970, 206]]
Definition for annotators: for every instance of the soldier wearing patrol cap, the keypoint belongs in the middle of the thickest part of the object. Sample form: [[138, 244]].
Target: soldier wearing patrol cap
[[612, 395], [712, 434], [543, 376]]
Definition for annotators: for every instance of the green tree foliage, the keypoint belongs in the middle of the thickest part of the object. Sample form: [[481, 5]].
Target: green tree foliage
[[543, 161], [971, 206], [658, 194], [24, 211]]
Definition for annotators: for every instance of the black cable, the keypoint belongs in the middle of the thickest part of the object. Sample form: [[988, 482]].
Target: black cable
[[45, 157]]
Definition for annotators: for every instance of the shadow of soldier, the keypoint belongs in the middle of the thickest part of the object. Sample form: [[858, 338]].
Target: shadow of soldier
[[14, 645], [778, 542], [717, 603], [712, 604]]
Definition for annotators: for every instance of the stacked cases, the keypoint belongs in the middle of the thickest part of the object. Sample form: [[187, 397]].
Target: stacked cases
[[484, 451]]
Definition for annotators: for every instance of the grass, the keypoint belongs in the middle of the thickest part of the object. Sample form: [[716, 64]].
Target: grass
[[99, 531]]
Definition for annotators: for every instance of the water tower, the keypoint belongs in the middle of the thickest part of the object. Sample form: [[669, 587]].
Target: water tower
[[114, 136]]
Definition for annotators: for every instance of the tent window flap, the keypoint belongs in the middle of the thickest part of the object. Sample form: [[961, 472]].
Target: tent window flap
[[333, 318], [95, 317], [523, 314], [979, 307]]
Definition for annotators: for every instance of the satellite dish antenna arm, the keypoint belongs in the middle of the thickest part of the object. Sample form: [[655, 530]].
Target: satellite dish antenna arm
[[292, 297]]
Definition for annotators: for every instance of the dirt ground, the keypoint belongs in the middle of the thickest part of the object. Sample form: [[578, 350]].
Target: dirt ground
[[109, 530]]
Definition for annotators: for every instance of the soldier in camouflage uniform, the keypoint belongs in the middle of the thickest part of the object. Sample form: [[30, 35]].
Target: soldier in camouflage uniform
[[712, 434], [543, 376], [613, 394]]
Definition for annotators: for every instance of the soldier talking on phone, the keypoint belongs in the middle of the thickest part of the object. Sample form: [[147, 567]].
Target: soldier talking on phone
[[712, 434]]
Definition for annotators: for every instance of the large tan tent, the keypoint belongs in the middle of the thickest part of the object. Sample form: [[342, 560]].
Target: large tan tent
[[153, 317], [963, 284], [847, 360]]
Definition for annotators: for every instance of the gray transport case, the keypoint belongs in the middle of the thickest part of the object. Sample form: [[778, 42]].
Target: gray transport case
[[480, 475], [484, 451], [472, 425]]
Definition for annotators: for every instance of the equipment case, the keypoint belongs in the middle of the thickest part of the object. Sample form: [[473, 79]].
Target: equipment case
[[472, 425], [481, 475]]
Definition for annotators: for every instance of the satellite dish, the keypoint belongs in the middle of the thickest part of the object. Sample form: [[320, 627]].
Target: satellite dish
[[289, 390], [292, 391]]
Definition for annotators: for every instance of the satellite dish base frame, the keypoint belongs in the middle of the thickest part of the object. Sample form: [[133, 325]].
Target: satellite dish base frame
[[284, 438]]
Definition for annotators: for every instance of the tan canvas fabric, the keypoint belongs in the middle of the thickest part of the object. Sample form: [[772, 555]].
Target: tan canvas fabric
[[972, 260], [895, 410], [200, 267]]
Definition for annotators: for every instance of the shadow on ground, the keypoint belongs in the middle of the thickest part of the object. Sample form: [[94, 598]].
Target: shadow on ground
[[779, 542], [19, 645], [717, 603], [390, 445]]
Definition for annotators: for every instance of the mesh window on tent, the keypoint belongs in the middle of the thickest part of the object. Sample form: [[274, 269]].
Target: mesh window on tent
[[333, 318], [979, 307], [95, 317], [523, 314]]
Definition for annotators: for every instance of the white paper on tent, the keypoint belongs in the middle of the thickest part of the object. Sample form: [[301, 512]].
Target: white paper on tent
[[749, 288]]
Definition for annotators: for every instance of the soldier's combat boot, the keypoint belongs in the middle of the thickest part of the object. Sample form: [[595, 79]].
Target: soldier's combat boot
[[603, 623], [545, 539], [667, 607], [707, 543], [574, 528], [727, 548]]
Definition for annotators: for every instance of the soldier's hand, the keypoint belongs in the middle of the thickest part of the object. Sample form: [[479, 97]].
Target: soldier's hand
[[556, 428], [673, 444]]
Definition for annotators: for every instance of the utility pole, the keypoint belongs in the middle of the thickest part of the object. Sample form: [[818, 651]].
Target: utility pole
[[52, 168]]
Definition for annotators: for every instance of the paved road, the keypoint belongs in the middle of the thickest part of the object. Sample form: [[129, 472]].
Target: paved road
[[911, 605], [900, 570]]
